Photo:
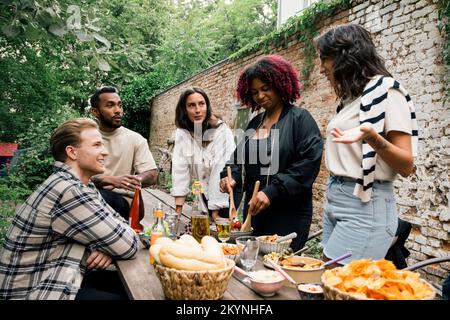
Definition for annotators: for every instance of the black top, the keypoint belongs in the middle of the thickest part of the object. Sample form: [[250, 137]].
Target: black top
[[295, 153], [257, 159]]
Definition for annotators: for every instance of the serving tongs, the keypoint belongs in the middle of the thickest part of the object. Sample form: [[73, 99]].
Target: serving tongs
[[283, 273], [289, 236], [247, 225], [232, 214]]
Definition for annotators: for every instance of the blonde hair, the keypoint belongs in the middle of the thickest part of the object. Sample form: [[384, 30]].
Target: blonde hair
[[68, 134]]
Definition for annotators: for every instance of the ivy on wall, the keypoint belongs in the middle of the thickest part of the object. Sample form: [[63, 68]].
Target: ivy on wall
[[305, 27]]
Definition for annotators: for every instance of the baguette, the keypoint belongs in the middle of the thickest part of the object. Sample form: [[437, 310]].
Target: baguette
[[163, 240], [179, 255], [175, 262], [156, 247], [189, 240], [213, 251], [154, 252]]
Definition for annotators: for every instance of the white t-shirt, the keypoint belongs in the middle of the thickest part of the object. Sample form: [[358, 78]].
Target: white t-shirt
[[345, 159], [128, 154], [192, 161]]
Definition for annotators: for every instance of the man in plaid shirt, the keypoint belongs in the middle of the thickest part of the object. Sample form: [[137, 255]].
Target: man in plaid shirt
[[65, 227]]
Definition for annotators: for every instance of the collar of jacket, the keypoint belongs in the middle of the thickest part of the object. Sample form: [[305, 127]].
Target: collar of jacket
[[286, 108]]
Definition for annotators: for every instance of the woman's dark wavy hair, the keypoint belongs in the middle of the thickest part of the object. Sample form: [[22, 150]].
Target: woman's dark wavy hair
[[355, 59], [273, 70], [182, 120]]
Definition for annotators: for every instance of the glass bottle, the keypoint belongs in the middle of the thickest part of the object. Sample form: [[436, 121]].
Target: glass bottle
[[134, 216], [199, 216], [158, 229]]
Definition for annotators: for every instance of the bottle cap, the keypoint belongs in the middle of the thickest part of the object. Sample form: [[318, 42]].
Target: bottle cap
[[197, 188]]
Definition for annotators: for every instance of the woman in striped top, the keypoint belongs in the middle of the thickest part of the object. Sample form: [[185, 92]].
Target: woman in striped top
[[371, 138]]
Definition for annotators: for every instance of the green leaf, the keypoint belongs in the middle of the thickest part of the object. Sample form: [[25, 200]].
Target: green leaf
[[25, 4], [31, 33], [11, 31], [83, 35], [93, 28], [44, 18], [6, 2], [57, 30], [103, 65], [51, 12], [102, 40]]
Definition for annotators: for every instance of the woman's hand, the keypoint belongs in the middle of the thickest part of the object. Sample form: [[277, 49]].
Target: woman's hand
[[98, 260], [258, 203], [227, 186], [215, 215], [396, 150], [352, 135]]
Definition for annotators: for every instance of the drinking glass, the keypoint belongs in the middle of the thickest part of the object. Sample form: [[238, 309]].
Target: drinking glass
[[249, 247], [200, 226], [223, 229], [171, 219]]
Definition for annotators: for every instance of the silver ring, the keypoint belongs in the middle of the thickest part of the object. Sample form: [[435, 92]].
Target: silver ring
[[128, 184]]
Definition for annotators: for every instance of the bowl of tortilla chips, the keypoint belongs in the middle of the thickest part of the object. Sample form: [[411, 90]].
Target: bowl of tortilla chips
[[367, 279]]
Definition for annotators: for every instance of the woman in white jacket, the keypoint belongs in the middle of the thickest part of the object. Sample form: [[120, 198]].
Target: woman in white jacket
[[203, 143]]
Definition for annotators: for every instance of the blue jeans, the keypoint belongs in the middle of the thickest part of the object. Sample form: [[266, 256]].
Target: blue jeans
[[367, 229], [446, 289]]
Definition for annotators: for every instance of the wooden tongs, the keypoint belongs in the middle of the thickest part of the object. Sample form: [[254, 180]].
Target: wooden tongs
[[232, 214], [247, 225]]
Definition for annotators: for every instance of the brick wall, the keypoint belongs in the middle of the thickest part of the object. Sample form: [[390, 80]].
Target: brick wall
[[407, 37]]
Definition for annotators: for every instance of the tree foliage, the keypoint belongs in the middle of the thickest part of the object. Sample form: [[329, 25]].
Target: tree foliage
[[208, 31], [35, 164], [201, 33], [55, 53], [135, 99], [86, 44], [26, 92]]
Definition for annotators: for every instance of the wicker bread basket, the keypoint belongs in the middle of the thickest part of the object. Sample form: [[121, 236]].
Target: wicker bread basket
[[194, 285], [332, 293]]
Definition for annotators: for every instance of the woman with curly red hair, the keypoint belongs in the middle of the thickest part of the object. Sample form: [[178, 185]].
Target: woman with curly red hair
[[282, 148]]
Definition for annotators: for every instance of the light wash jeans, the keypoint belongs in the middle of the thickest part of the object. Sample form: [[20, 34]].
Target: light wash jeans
[[367, 229]]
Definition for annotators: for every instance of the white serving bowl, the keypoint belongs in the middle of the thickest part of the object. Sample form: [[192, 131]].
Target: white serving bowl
[[234, 257], [268, 246]]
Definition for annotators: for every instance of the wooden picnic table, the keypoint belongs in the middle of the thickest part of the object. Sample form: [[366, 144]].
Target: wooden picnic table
[[141, 282]]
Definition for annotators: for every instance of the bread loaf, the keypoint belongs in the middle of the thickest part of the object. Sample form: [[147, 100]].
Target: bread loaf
[[190, 241], [187, 254], [213, 251], [156, 247]]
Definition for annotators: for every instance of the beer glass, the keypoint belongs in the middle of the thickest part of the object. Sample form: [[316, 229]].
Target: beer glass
[[200, 226], [223, 227]]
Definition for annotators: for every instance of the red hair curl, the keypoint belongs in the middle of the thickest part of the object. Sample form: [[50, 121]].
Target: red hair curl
[[273, 70]]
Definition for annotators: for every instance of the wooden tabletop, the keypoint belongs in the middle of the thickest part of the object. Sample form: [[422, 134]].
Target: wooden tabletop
[[141, 282]]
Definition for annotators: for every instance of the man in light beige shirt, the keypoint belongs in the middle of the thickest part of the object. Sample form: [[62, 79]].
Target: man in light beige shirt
[[130, 163]]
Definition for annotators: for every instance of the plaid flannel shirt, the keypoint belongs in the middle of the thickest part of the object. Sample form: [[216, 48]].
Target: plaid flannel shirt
[[53, 233]]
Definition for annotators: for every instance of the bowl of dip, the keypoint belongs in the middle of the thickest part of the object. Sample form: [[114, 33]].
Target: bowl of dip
[[310, 291], [266, 282]]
